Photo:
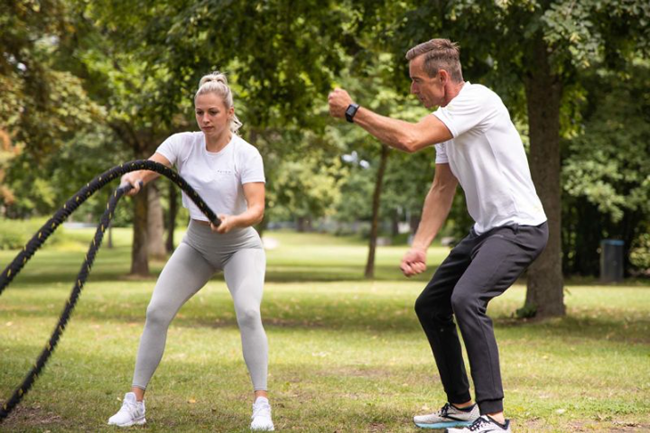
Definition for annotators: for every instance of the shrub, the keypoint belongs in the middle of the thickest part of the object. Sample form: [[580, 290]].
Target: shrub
[[14, 234]]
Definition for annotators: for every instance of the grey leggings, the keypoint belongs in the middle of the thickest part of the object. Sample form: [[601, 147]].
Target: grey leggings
[[239, 254]]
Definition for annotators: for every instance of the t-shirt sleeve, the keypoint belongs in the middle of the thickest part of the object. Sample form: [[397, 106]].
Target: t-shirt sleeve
[[171, 147], [465, 112], [441, 153], [252, 167]]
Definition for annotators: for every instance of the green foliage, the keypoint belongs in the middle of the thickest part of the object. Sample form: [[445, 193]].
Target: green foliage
[[62, 174], [42, 105], [304, 188], [640, 254], [607, 170], [14, 234]]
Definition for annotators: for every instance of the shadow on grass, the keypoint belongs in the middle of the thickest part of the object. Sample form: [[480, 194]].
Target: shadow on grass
[[319, 312], [51, 268]]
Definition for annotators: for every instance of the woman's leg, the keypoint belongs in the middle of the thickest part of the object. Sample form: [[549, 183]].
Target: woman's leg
[[244, 273], [184, 274]]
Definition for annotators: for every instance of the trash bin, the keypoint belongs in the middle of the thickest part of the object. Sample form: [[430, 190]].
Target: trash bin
[[611, 260]]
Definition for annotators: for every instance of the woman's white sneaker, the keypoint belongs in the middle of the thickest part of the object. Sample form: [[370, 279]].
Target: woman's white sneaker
[[261, 419], [131, 412]]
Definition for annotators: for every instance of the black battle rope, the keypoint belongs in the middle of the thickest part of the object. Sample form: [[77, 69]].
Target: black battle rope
[[50, 226]]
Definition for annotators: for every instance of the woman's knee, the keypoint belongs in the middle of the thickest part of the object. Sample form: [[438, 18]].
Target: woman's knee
[[157, 316], [249, 317]]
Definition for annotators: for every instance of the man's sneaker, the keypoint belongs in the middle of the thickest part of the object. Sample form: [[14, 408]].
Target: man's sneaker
[[131, 412], [448, 416], [483, 424], [261, 419]]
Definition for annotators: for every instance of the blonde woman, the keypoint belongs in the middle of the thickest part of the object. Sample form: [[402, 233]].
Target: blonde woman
[[228, 173]]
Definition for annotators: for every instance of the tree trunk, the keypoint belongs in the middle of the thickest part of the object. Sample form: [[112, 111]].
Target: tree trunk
[[139, 259], [545, 294], [303, 224], [394, 224], [414, 223], [376, 200], [155, 224], [171, 217]]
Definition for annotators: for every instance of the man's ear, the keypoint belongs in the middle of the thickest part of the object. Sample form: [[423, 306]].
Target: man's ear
[[443, 76]]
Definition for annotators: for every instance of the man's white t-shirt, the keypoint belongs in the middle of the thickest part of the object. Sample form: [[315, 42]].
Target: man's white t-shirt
[[487, 157], [217, 177]]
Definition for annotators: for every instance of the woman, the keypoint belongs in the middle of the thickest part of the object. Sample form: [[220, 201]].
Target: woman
[[228, 174]]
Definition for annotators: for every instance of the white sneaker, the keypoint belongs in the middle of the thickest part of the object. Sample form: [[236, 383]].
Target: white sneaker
[[131, 412], [448, 416], [483, 424], [262, 415]]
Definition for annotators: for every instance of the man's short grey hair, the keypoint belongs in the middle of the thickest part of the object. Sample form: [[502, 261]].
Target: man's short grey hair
[[439, 54]]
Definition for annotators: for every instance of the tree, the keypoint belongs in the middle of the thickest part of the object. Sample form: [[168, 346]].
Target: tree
[[607, 169], [304, 188], [533, 53], [43, 105], [280, 57]]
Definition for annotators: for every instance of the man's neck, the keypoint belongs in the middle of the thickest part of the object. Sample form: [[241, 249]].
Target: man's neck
[[452, 91]]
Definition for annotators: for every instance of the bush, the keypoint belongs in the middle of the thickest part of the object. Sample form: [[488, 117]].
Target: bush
[[640, 254], [14, 234]]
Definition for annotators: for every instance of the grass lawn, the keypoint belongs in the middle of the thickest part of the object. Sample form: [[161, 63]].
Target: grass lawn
[[346, 354]]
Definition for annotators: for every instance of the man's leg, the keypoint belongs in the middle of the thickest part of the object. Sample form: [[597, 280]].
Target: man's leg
[[433, 308], [499, 258]]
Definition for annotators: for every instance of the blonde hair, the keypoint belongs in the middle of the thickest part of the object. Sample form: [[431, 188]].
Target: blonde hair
[[217, 83], [439, 54]]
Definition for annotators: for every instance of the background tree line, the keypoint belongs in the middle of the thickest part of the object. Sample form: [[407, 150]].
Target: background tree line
[[85, 85]]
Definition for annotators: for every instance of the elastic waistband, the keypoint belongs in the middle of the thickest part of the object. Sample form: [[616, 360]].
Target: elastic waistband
[[200, 233]]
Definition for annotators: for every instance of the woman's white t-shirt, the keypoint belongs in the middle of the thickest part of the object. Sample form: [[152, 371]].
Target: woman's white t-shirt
[[217, 177], [488, 158]]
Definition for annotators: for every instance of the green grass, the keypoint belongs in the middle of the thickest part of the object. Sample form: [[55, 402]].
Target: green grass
[[346, 354]]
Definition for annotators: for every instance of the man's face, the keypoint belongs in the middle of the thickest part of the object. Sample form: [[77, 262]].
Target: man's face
[[429, 90]]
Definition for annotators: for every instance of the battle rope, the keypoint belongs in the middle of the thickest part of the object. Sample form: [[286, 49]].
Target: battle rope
[[51, 225]]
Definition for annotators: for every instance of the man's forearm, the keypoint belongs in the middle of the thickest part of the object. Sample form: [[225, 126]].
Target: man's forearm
[[436, 208], [392, 132]]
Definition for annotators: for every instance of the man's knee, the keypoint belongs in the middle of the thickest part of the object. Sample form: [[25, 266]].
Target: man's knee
[[432, 310], [422, 308], [462, 303]]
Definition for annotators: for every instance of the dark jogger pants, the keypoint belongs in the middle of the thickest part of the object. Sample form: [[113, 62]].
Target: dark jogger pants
[[478, 269]]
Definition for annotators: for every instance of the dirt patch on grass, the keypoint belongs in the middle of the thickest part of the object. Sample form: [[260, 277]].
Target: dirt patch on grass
[[615, 426], [355, 372], [539, 425], [32, 416]]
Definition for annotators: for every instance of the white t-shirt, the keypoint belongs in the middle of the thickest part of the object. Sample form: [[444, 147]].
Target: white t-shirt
[[487, 157], [217, 177]]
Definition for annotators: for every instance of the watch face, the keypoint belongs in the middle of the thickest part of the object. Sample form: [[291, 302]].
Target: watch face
[[350, 112]]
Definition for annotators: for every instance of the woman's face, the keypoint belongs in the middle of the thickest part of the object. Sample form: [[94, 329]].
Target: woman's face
[[212, 116]]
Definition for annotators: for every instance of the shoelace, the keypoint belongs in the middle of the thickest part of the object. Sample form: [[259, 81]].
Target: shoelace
[[478, 423], [131, 408], [444, 410], [261, 410]]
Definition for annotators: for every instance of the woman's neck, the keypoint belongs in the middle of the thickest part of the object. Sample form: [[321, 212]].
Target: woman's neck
[[217, 143]]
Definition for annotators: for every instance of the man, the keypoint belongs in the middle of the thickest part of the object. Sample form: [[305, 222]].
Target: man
[[477, 146]]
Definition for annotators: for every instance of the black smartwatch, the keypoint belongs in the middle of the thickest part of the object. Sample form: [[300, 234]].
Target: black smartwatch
[[351, 111]]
